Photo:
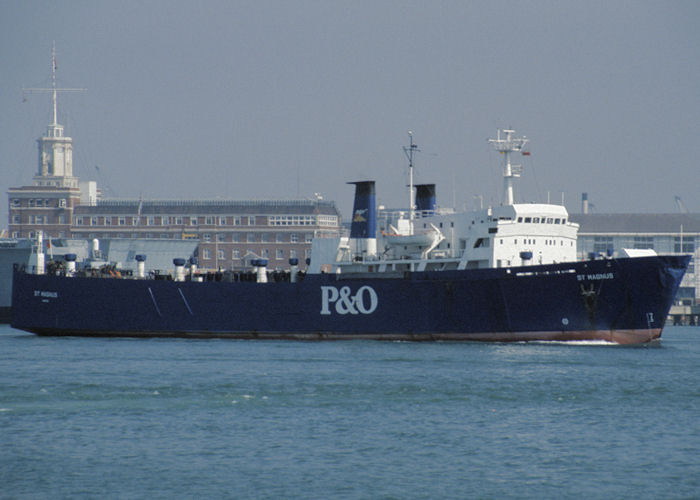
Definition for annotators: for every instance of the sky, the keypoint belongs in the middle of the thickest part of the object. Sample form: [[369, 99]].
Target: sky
[[280, 99]]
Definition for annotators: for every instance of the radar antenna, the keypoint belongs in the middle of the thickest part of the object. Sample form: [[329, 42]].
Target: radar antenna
[[507, 145]]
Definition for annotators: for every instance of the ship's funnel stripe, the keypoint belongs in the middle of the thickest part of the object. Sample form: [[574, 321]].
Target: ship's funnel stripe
[[425, 197], [364, 212]]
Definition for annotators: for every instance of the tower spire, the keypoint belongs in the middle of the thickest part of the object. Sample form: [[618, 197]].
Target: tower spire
[[53, 84], [55, 149], [54, 130]]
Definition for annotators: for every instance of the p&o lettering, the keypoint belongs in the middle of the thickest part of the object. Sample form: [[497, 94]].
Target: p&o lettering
[[364, 301]]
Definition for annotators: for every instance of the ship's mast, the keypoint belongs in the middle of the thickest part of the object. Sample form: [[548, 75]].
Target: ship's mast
[[507, 145], [409, 150]]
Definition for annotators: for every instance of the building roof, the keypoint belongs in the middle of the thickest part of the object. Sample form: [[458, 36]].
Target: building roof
[[205, 207], [636, 223]]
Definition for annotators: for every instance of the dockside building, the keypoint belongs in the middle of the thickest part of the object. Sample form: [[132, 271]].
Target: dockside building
[[231, 233]]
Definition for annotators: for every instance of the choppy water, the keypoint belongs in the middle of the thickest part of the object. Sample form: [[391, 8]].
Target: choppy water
[[113, 418]]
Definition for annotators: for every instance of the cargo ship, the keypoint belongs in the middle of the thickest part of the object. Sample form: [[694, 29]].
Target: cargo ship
[[503, 273]]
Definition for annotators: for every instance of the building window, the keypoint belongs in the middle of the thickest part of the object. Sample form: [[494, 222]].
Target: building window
[[265, 253], [309, 237], [684, 245], [206, 237], [193, 221], [236, 221], [62, 203], [61, 219], [279, 238], [78, 221], [220, 237], [165, 220], [108, 221], [16, 219], [209, 220], [31, 203], [220, 255], [178, 221], [250, 237], [151, 221], [294, 238], [293, 253], [602, 243], [279, 255], [206, 254], [236, 254], [291, 220], [122, 221], [643, 242], [236, 237], [16, 202], [222, 221], [327, 220], [265, 237]]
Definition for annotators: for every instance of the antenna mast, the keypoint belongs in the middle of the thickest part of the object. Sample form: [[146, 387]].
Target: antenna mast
[[409, 150], [507, 145]]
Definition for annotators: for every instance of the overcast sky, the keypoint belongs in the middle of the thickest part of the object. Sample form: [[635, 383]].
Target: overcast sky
[[283, 99]]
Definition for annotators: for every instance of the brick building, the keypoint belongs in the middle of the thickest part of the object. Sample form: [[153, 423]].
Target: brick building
[[231, 233]]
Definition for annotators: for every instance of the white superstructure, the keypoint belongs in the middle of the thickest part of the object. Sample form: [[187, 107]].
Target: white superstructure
[[507, 235]]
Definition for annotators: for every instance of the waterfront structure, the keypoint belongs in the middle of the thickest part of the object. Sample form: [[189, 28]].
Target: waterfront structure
[[232, 233]]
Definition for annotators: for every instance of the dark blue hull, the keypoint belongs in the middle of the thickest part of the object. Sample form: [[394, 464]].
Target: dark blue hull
[[621, 300]]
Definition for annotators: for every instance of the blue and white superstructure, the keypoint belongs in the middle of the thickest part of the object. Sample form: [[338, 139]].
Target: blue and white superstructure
[[429, 239]]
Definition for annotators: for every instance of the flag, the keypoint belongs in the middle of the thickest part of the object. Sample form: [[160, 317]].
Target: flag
[[526, 153]]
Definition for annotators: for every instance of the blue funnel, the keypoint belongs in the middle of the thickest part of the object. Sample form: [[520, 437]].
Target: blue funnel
[[364, 211], [425, 197]]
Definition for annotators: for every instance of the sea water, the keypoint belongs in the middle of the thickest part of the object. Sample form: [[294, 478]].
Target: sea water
[[127, 418]]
